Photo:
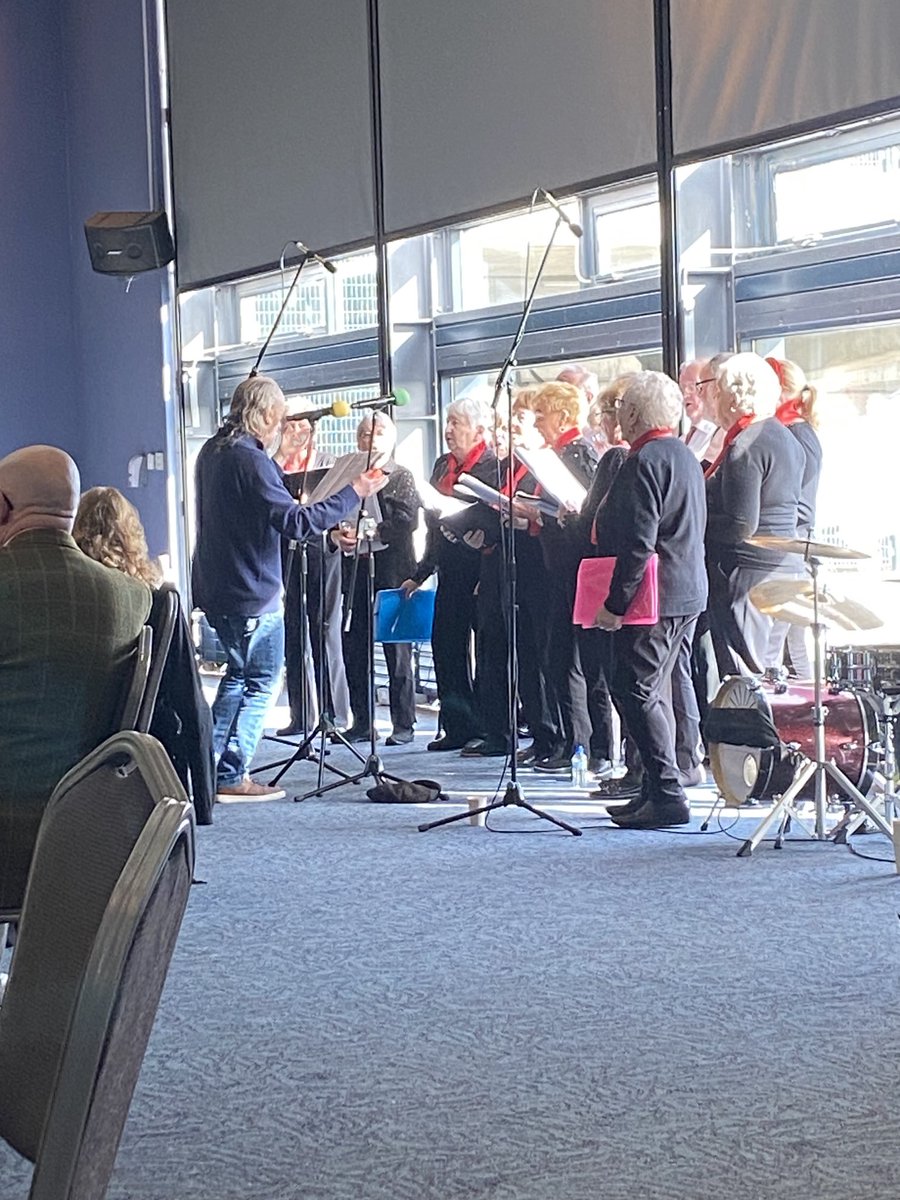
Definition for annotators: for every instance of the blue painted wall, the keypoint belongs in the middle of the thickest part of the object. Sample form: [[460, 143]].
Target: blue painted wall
[[39, 372], [82, 361]]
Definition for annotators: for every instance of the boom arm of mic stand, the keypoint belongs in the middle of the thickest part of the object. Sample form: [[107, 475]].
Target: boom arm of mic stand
[[277, 321], [510, 359]]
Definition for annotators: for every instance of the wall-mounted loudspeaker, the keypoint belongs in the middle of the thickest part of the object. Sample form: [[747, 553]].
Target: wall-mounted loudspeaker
[[124, 243]]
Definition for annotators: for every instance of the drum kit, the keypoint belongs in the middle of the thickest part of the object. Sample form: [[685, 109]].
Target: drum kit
[[826, 737]]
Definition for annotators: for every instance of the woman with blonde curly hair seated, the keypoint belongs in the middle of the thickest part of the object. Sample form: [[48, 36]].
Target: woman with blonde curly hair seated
[[108, 529]]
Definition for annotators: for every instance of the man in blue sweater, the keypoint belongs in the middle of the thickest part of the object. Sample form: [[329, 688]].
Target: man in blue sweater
[[243, 512]]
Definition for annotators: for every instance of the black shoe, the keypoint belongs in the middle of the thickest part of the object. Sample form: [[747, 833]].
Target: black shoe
[[357, 733], [489, 748], [526, 757], [400, 737], [553, 764], [622, 810], [445, 742], [655, 815], [292, 730], [625, 788]]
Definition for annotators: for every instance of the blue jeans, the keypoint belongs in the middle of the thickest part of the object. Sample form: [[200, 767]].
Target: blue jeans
[[255, 650]]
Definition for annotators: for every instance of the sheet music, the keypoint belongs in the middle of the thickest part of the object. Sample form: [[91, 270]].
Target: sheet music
[[346, 468], [436, 502], [554, 476], [499, 500]]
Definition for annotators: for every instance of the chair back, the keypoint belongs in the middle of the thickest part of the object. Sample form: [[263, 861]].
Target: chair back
[[115, 1011], [91, 826], [163, 616], [131, 709]]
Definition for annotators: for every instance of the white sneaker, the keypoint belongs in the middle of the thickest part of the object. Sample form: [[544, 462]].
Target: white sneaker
[[247, 789]]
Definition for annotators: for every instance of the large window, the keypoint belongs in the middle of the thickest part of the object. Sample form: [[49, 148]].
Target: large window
[[320, 304]]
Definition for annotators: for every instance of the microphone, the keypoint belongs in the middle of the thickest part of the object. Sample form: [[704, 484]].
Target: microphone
[[324, 262], [399, 397], [340, 408], [554, 203]]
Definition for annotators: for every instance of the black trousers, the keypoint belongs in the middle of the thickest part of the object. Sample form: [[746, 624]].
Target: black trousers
[[397, 655], [455, 619], [745, 640], [643, 659], [577, 703], [685, 710], [301, 646]]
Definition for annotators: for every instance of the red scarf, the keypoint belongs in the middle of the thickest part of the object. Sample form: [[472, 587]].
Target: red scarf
[[455, 468], [299, 461], [659, 431], [739, 426], [790, 412], [566, 439], [518, 475]]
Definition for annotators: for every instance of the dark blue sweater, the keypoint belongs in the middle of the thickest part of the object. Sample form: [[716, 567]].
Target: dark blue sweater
[[243, 512], [656, 504]]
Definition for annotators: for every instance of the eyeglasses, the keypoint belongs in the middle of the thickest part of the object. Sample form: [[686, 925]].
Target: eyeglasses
[[702, 382]]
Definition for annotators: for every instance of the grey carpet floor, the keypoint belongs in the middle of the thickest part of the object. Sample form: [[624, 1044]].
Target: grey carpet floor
[[358, 1011]]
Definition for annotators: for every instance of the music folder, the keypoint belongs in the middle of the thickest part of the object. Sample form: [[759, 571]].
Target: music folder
[[594, 579]]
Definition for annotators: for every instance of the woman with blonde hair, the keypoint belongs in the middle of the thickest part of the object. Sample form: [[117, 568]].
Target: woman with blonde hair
[[108, 529]]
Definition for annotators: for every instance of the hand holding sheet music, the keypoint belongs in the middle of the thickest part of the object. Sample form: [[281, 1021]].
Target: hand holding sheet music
[[554, 477]]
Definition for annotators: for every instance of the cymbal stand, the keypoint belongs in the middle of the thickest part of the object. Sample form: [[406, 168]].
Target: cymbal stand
[[818, 768]]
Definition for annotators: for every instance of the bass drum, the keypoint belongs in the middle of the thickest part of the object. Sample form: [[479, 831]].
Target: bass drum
[[747, 774]]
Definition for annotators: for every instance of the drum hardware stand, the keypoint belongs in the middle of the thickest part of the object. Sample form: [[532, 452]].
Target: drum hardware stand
[[851, 822], [513, 796], [814, 768]]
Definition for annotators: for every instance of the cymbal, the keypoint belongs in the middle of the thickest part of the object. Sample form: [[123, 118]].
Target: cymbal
[[808, 549], [794, 601]]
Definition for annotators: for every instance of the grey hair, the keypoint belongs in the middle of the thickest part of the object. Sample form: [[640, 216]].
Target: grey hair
[[377, 418], [251, 404], [476, 410], [651, 401], [750, 384]]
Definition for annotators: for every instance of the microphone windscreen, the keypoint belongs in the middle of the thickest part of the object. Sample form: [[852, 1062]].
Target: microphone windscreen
[[340, 408], [401, 397]]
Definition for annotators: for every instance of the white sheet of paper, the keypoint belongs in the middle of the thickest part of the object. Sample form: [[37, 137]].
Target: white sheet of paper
[[554, 476], [346, 468], [436, 502]]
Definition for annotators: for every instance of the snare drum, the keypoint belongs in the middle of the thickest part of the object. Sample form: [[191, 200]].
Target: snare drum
[[750, 773], [875, 667]]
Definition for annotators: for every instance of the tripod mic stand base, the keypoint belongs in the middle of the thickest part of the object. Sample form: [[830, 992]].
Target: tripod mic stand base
[[512, 798]]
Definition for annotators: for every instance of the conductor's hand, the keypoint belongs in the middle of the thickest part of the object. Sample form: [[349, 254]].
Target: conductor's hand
[[369, 483], [409, 586]]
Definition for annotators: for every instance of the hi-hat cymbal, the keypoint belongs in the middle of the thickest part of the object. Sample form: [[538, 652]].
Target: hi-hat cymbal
[[795, 601], [808, 549]]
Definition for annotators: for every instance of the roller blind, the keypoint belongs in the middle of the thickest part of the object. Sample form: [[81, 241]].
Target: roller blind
[[271, 130], [482, 102], [742, 69]]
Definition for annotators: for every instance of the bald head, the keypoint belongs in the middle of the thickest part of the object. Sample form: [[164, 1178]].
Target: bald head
[[39, 488]]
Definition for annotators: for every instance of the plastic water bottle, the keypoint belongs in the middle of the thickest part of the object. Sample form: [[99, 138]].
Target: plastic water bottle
[[580, 768]]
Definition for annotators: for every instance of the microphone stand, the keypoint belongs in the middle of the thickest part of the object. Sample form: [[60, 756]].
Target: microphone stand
[[513, 795], [324, 726], [372, 766]]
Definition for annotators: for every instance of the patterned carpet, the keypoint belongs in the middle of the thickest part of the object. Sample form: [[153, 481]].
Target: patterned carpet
[[357, 1011]]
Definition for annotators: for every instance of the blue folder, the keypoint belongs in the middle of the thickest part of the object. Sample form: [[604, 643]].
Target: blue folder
[[399, 618]]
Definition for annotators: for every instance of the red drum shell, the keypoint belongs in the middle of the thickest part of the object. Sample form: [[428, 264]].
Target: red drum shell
[[745, 773]]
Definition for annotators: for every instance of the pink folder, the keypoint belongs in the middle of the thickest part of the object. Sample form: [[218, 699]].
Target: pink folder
[[595, 576]]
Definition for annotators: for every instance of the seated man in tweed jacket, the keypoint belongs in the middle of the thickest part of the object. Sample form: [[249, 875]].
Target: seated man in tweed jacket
[[68, 626]]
